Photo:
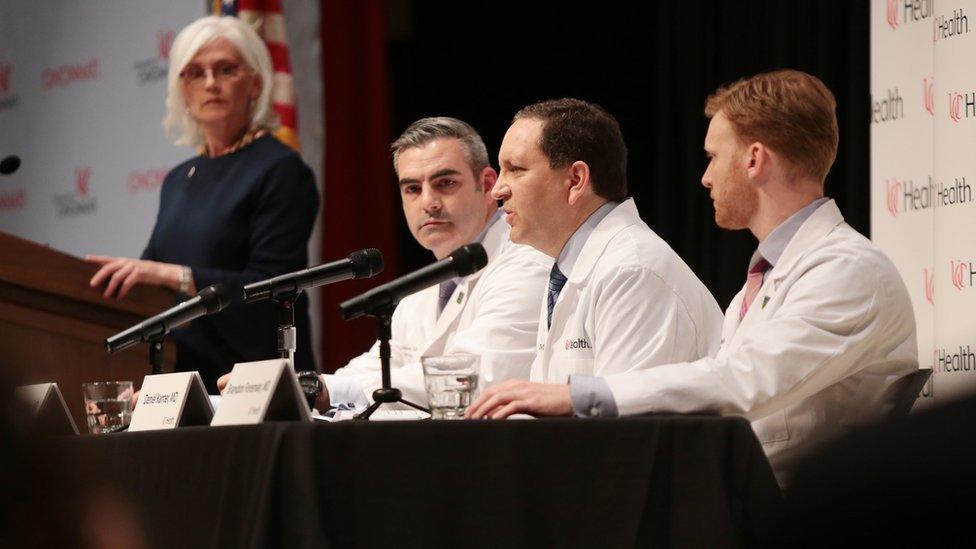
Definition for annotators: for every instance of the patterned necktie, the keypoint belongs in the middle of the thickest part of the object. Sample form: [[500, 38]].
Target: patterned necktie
[[753, 282], [444, 295], [556, 282]]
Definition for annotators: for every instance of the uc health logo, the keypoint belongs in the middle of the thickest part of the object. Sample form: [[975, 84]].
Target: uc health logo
[[892, 14], [928, 280], [82, 181], [8, 99], [961, 105], [928, 94], [164, 42], [578, 343], [79, 202], [962, 274], [893, 195], [911, 11], [5, 70], [154, 69]]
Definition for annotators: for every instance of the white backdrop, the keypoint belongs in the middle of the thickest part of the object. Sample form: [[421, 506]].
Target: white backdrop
[[923, 170], [82, 86]]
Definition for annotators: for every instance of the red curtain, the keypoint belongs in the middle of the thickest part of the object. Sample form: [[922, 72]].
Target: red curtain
[[360, 200]]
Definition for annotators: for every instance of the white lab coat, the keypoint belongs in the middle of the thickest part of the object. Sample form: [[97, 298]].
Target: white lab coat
[[493, 313], [830, 331], [629, 303]]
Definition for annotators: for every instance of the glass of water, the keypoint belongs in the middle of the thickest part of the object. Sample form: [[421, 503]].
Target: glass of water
[[452, 384], [108, 406]]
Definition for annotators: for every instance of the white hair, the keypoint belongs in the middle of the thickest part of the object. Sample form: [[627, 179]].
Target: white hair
[[180, 126]]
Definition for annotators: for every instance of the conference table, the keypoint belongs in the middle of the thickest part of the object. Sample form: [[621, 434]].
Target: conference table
[[659, 481]]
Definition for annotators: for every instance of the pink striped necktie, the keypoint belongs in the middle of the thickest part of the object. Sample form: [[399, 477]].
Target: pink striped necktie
[[753, 282]]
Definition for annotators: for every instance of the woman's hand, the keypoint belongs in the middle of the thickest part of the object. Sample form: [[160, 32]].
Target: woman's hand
[[122, 273]]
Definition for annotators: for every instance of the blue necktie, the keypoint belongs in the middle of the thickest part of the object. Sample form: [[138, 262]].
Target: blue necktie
[[444, 294], [556, 282]]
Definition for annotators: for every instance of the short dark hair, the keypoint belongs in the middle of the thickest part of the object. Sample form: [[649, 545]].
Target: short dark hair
[[576, 130]]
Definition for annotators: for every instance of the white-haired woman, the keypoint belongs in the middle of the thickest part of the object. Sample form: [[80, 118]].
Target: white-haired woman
[[240, 211]]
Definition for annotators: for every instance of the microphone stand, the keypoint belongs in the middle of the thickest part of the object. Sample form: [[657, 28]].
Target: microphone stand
[[287, 334], [386, 394], [156, 354]]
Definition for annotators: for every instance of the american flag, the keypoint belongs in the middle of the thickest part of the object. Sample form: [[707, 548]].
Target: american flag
[[267, 18]]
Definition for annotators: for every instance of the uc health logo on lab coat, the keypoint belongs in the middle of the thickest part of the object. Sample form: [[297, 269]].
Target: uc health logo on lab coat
[[578, 343]]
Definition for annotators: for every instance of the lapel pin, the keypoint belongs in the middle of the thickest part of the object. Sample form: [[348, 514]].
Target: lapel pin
[[765, 301]]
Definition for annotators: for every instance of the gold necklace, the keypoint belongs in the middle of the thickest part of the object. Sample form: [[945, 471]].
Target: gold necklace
[[245, 140]]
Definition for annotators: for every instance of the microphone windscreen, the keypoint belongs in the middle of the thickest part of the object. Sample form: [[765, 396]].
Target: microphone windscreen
[[215, 298], [469, 259], [366, 263]]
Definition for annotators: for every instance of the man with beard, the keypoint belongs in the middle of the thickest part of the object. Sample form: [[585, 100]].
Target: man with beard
[[823, 329]]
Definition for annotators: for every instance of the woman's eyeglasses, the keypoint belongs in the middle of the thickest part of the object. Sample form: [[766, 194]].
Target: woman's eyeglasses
[[221, 71]]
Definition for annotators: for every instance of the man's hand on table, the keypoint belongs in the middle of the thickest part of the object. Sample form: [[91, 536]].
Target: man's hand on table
[[517, 396]]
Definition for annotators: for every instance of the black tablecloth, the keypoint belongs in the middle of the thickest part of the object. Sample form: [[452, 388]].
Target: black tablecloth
[[665, 481]]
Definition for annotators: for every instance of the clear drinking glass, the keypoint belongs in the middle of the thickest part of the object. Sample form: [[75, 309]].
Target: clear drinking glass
[[452, 384], [108, 406]]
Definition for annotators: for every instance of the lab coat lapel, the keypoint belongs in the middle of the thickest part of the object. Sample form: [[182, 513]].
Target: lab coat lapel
[[620, 218], [448, 318], [815, 228]]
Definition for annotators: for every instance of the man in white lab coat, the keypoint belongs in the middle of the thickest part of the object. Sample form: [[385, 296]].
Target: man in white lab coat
[[445, 183], [824, 327], [619, 298]]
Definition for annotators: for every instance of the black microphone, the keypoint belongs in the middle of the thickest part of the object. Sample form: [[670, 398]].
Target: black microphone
[[9, 165], [209, 301], [463, 261], [362, 264]]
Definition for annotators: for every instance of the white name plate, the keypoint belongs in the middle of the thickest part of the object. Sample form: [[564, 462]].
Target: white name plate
[[167, 401], [265, 390], [46, 408]]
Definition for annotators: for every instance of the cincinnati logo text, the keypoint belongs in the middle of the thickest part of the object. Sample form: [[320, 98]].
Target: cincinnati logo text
[[888, 108], [148, 180], [15, 199], [962, 273], [947, 27], [906, 196], [66, 75]]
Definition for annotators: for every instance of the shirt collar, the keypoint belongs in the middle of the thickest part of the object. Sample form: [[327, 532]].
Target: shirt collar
[[772, 248], [491, 221], [481, 236], [574, 246]]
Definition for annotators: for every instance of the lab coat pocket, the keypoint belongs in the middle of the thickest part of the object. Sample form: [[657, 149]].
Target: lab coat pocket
[[772, 428], [563, 367]]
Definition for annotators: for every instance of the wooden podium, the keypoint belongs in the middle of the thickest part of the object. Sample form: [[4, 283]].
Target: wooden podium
[[53, 325]]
